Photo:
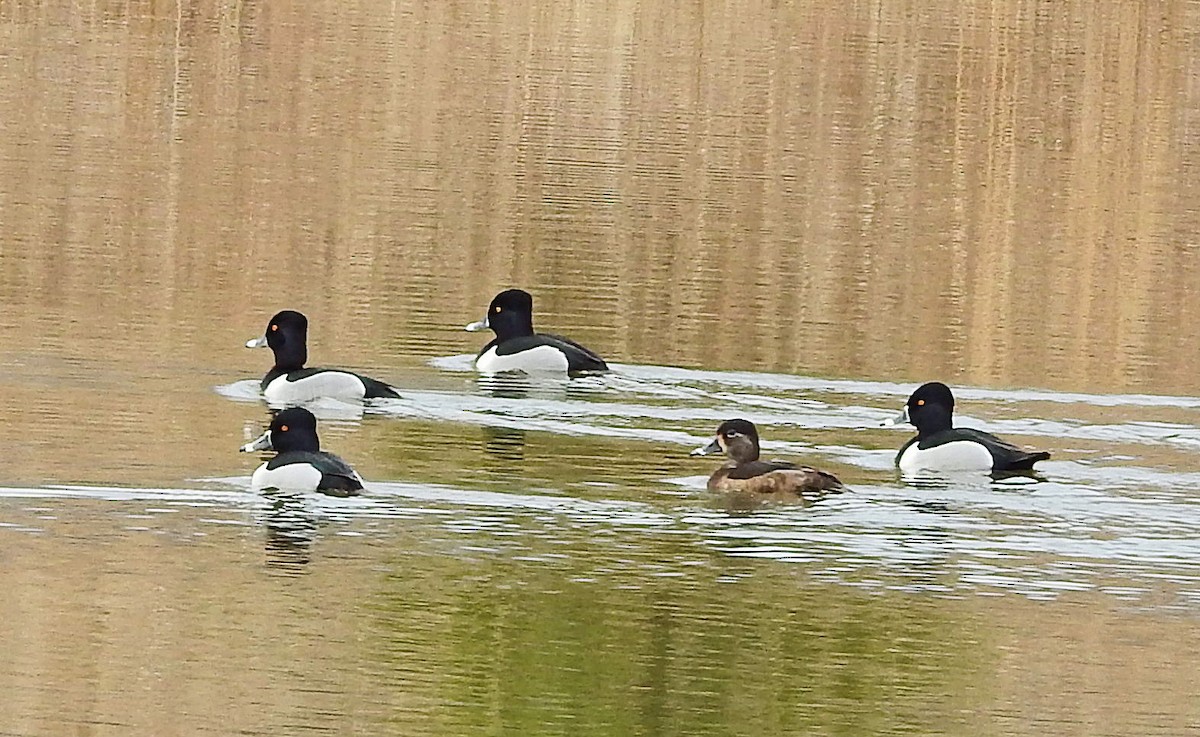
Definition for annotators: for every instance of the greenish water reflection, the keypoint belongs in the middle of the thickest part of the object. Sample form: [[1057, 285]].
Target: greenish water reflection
[[505, 614], [535, 648]]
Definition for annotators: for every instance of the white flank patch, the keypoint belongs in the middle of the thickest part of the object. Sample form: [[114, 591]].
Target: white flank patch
[[534, 360], [335, 384], [291, 477], [960, 455]]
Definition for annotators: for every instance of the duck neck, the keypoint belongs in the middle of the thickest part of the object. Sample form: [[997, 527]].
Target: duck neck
[[512, 325], [304, 442], [290, 355], [742, 451], [932, 421]]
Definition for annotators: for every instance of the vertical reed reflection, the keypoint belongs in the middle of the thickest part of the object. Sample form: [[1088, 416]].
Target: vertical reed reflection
[[989, 192]]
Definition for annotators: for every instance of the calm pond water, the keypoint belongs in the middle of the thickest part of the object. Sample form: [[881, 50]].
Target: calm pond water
[[789, 212]]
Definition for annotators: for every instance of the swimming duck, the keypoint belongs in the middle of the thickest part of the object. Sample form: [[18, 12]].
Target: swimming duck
[[744, 472], [288, 382], [517, 348], [939, 446], [300, 464]]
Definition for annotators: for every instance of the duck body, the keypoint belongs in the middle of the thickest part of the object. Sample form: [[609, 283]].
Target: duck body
[[775, 478], [307, 384], [289, 382], [538, 353], [308, 471], [941, 447], [744, 473], [300, 464], [517, 347]]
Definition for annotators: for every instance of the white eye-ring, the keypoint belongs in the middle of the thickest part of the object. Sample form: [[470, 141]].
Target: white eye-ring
[[733, 434]]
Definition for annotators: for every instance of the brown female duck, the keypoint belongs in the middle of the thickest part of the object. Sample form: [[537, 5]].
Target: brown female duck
[[745, 473]]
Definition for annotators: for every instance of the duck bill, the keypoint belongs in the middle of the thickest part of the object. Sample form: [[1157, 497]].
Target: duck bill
[[477, 326], [259, 342], [900, 419], [263, 443], [711, 449]]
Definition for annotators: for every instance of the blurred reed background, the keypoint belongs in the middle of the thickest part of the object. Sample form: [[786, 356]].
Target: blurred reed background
[[998, 193]]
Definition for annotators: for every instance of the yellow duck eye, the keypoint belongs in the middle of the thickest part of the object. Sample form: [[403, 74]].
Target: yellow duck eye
[[497, 310]]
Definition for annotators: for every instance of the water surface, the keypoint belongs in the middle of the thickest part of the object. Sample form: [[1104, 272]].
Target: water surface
[[793, 213]]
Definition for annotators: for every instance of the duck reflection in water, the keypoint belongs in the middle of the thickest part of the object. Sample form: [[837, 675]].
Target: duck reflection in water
[[291, 529], [504, 443], [518, 385]]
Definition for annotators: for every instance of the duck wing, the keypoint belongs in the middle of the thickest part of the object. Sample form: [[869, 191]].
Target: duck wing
[[786, 483], [1005, 455], [758, 468], [779, 480], [788, 475], [579, 358]]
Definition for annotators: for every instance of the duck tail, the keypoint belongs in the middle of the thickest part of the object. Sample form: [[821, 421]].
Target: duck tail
[[377, 389], [824, 481], [1026, 460]]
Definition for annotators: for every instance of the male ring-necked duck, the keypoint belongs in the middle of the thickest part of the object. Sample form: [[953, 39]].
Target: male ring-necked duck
[[300, 464], [517, 348], [744, 472], [939, 446], [289, 382]]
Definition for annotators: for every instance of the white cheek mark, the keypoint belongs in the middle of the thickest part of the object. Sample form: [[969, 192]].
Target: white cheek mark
[[335, 384], [293, 476], [955, 456], [539, 359]]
